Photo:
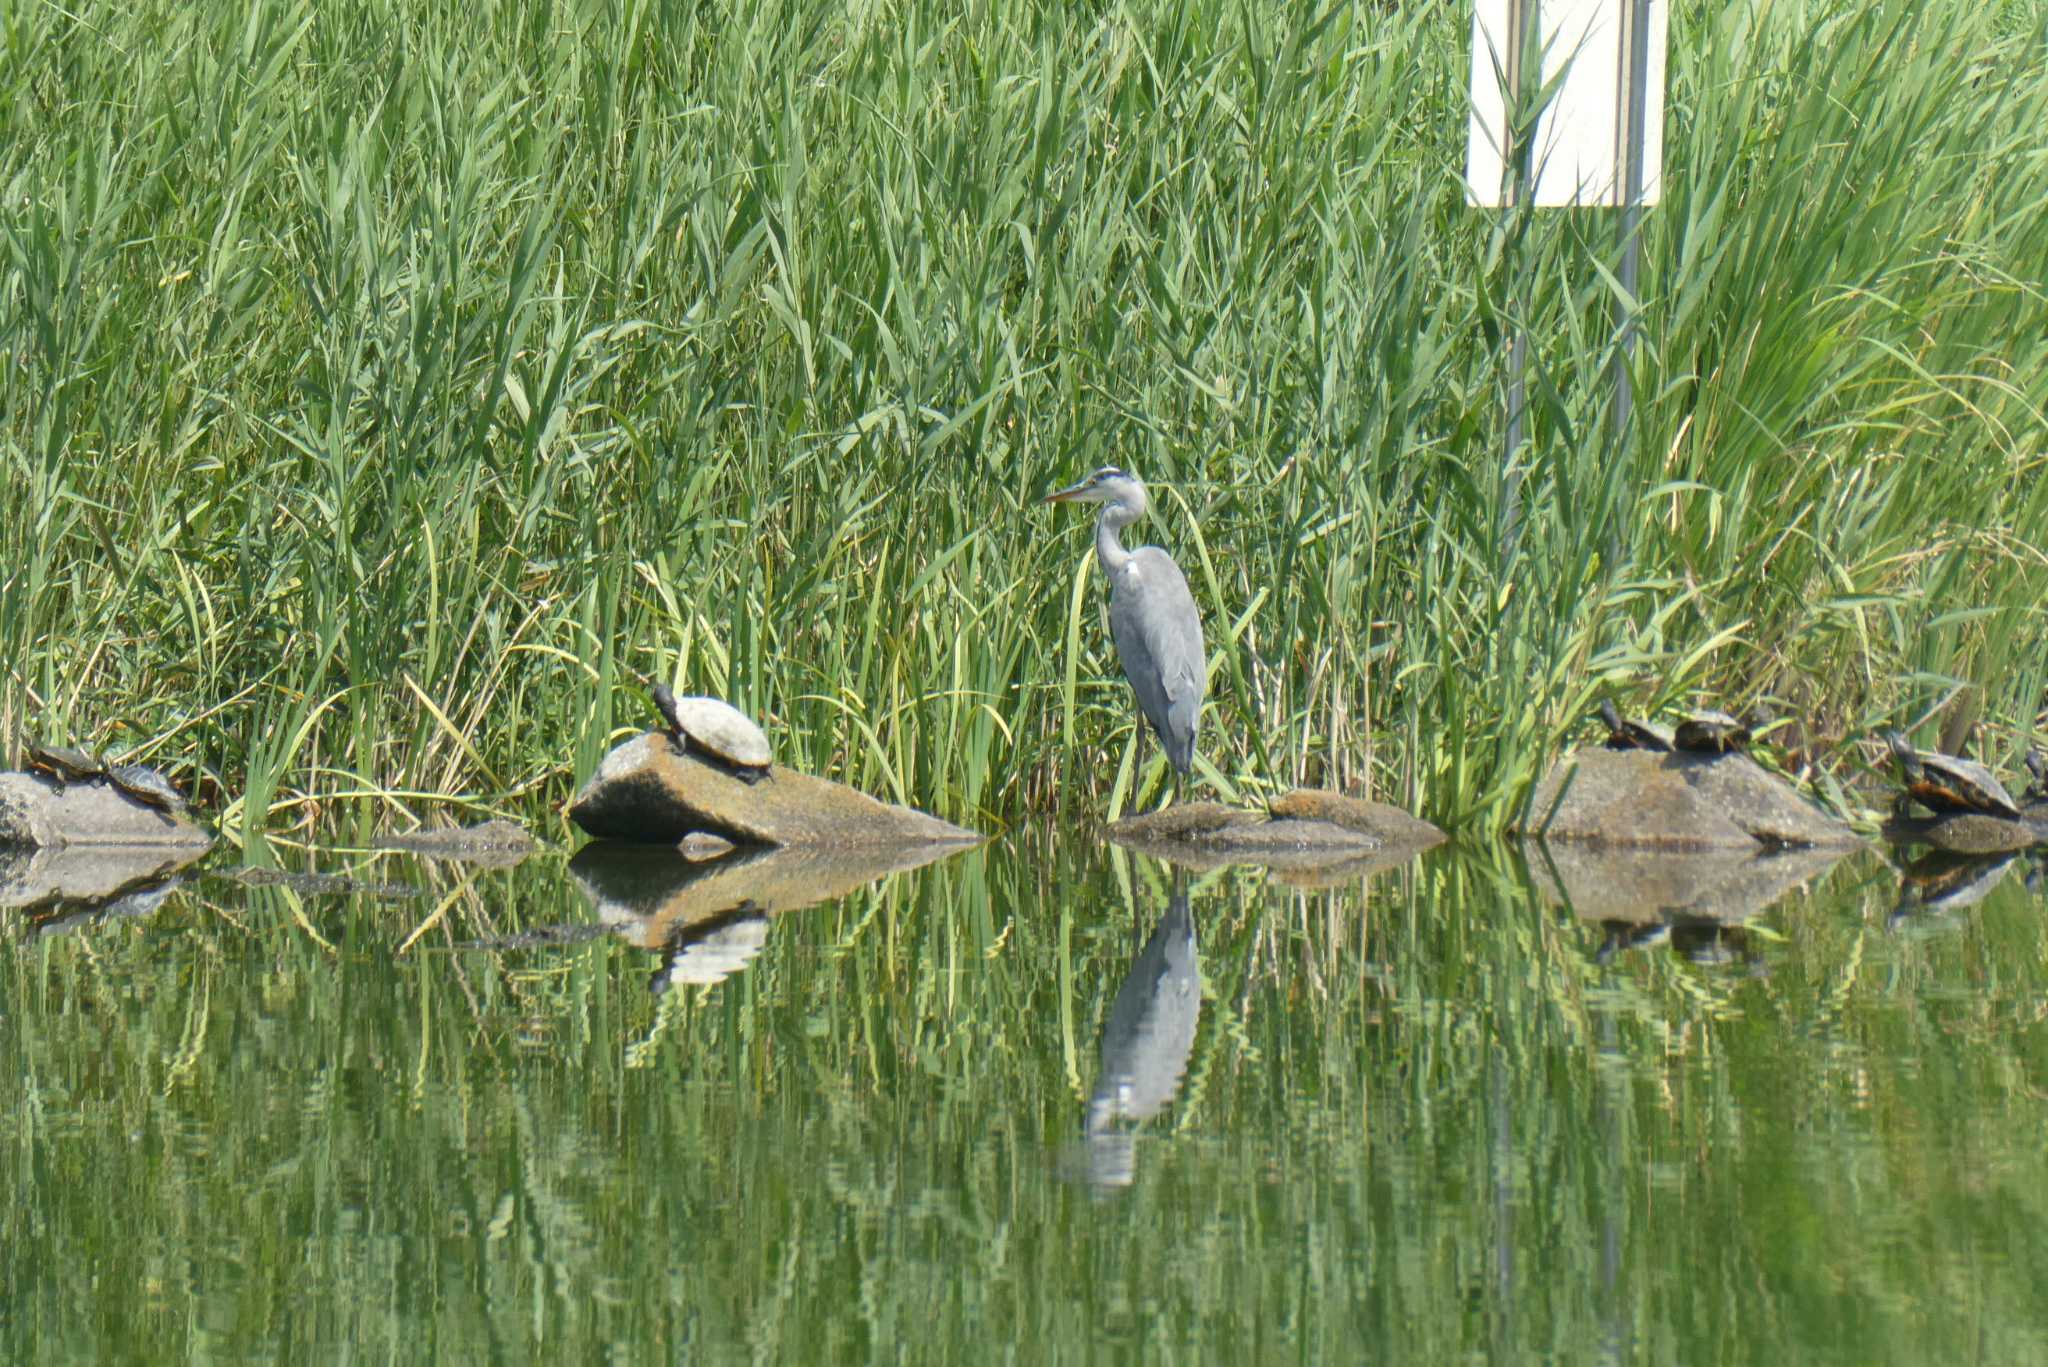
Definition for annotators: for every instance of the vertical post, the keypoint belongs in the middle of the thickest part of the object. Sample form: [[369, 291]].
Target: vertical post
[[1524, 24], [1636, 69]]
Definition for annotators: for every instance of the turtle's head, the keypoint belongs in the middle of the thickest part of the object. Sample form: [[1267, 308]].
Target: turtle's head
[[1903, 752], [1110, 485], [1610, 715], [664, 702]]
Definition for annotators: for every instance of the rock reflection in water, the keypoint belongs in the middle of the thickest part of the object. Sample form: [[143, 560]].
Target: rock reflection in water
[[1694, 901], [1935, 886], [709, 919], [1145, 1045], [62, 918], [59, 890], [1709, 944]]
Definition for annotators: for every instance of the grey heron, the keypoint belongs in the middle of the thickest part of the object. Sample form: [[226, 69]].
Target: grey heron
[[1151, 614]]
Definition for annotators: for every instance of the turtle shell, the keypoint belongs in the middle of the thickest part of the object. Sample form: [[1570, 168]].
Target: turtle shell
[[1626, 733], [146, 786], [1711, 733], [62, 763], [716, 728], [1947, 783]]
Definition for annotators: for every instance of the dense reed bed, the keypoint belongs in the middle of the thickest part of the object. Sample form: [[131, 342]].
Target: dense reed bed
[[389, 389]]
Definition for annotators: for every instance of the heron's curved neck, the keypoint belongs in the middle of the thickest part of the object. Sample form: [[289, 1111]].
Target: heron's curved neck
[[1109, 546]]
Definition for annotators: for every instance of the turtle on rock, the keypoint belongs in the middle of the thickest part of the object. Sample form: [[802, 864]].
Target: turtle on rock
[[145, 785], [1947, 784], [1711, 733], [61, 764], [714, 730], [1626, 733]]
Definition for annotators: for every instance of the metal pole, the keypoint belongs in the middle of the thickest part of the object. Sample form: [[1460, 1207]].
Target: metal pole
[[1636, 134], [1524, 80]]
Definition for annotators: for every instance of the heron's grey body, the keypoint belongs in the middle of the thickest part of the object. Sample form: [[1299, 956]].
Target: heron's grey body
[[1151, 613]]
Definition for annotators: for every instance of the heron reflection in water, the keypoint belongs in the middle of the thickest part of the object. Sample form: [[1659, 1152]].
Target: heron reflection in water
[[1145, 1044], [1151, 614]]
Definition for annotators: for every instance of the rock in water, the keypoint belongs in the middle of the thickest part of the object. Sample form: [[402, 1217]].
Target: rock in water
[[1967, 832], [1675, 801], [646, 792], [1303, 829], [1377, 819], [35, 812]]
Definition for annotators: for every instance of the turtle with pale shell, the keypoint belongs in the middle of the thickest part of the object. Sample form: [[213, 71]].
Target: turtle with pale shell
[[714, 729]]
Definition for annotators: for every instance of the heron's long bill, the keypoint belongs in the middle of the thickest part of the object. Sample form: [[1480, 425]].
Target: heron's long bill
[[1066, 495]]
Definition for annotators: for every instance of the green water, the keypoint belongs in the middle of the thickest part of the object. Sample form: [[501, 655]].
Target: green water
[[1427, 1117]]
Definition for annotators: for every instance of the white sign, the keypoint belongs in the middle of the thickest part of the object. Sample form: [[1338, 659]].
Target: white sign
[[1579, 154]]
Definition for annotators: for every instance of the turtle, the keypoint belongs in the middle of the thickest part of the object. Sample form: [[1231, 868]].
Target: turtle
[[716, 730], [1711, 733], [1626, 733], [147, 786], [1946, 784], [2037, 765], [61, 764]]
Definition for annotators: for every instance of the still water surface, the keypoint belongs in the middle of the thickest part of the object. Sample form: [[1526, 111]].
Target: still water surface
[[1025, 1104]]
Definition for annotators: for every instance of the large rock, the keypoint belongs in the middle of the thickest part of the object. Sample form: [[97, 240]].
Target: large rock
[[648, 793], [33, 813], [1384, 822], [1301, 830], [1675, 801]]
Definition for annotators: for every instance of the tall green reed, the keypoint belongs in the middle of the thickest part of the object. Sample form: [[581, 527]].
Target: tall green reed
[[382, 422]]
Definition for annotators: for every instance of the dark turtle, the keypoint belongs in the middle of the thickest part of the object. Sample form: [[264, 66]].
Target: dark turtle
[[1626, 733], [1711, 733], [716, 729], [61, 764], [1944, 783], [146, 786]]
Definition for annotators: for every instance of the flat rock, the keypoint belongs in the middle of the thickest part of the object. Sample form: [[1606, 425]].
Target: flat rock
[[1675, 801], [498, 843], [1635, 885], [1966, 832], [1379, 819], [1300, 831], [647, 793], [34, 814]]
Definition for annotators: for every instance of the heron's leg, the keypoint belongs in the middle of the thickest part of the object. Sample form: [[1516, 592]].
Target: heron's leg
[[1138, 765], [1169, 791]]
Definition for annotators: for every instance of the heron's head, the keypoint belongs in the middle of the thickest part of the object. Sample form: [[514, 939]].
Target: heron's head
[[1107, 485]]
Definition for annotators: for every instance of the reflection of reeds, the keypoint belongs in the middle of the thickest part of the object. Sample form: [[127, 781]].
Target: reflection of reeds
[[879, 1100], [374, 428]]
